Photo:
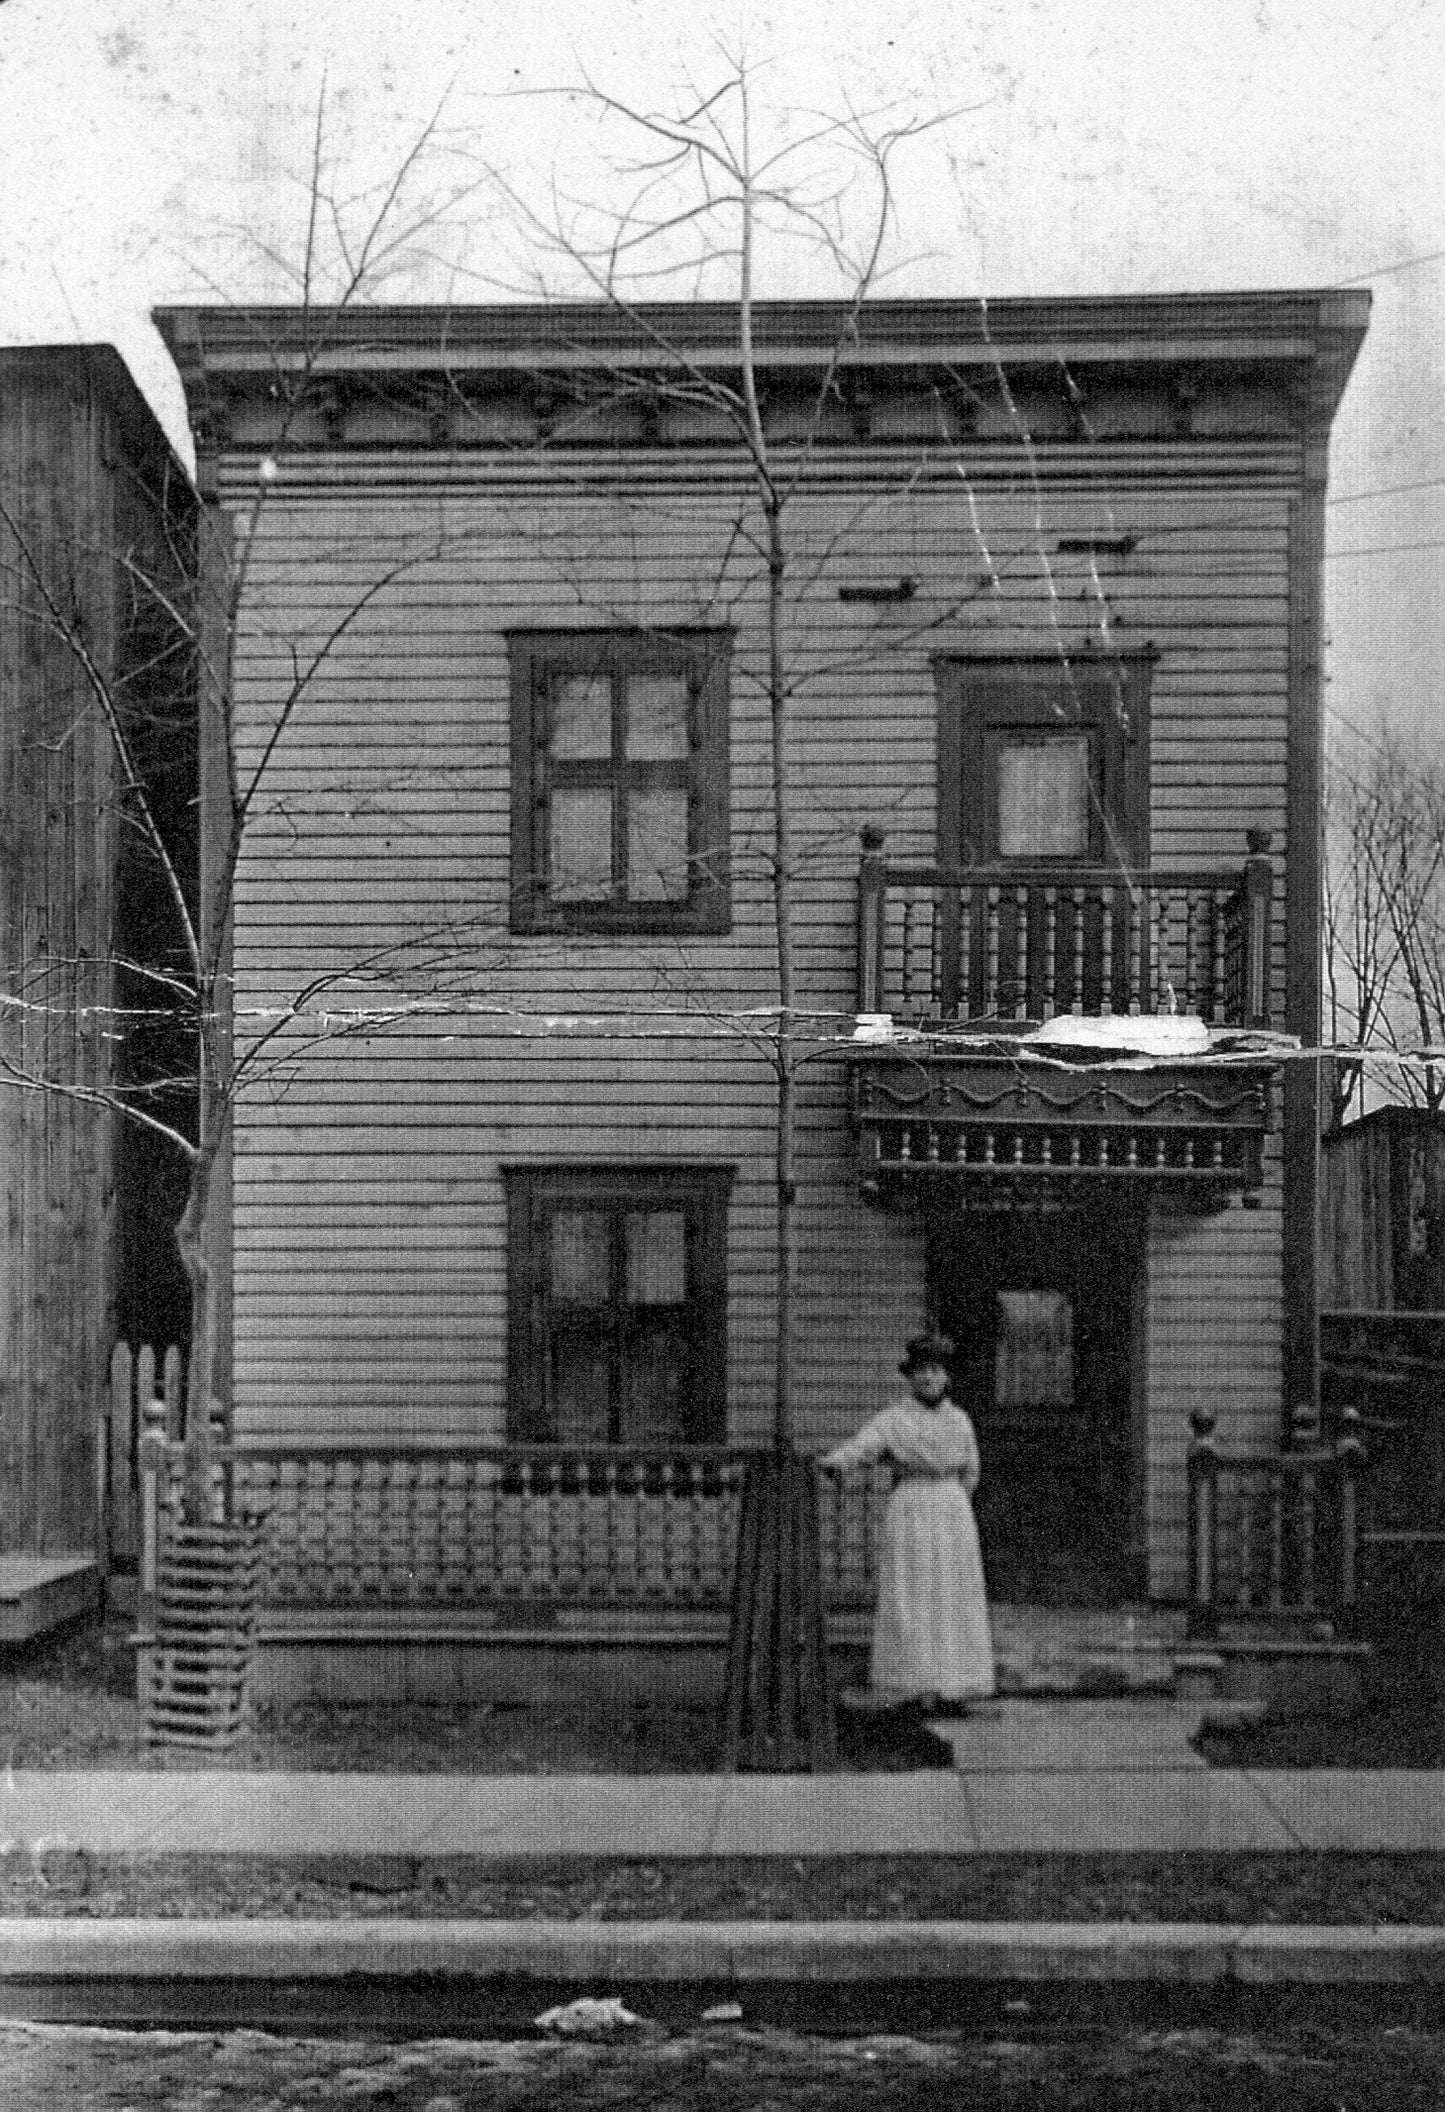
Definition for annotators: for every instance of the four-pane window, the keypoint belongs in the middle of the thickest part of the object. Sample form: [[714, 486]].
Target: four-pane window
[[620, 806], [618, 1304]]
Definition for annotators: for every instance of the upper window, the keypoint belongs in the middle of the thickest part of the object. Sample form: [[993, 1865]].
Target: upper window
[[619, 781]]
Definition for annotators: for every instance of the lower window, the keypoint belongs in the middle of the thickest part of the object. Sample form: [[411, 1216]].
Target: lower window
[[617, 1305]]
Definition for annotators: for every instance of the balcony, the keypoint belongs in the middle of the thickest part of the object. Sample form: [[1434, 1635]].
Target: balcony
[[972, 1072], [1005, 947]]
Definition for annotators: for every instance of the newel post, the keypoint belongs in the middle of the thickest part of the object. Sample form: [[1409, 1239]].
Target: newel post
[[222, 1489], [1258, 914], [1203, 1528], [1349, 1460], [152, 1469], [872, 889]]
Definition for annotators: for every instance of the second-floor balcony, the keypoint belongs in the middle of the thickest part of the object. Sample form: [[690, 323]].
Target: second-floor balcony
[[1004, 947], [967, 963]]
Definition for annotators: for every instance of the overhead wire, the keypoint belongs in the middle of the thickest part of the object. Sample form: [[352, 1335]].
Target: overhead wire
[[1384, 271]]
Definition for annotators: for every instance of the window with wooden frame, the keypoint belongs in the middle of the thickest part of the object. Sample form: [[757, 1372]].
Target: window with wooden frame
[[1043, 775], [620, 781], [1044, 762], [617, 1305]]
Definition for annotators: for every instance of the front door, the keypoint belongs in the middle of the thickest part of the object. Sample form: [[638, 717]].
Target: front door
[[1041, 1306]]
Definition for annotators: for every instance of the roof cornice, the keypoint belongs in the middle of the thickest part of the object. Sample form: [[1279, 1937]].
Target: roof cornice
[[1319, 329]]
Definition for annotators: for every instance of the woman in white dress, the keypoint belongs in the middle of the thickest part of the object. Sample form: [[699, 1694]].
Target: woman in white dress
[[931, 1638]]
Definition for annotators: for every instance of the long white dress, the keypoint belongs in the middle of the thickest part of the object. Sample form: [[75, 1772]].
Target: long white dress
[[931, 1631]]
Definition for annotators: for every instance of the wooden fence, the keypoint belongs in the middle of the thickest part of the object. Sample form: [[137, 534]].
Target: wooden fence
[[138, 1377], [1391, 1367]]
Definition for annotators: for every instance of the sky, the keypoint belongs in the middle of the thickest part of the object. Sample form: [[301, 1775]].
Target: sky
[[157, 150]]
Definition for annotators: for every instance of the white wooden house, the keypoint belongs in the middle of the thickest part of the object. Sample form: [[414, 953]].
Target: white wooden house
[[504, 1194]]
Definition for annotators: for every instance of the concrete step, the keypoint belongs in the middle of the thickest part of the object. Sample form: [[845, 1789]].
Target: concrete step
[[1088, 1678], [38, 1592], [1086, 1652]]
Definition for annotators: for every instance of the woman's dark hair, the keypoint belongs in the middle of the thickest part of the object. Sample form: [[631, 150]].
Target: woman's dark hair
[[927, 1349]]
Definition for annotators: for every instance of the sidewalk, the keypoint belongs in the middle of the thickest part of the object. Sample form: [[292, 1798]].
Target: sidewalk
[[1030, 1778]]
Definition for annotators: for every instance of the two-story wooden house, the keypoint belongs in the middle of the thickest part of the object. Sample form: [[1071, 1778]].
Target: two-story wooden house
[[504, 1182]]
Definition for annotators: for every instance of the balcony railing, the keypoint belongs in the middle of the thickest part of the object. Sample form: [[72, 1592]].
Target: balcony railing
[[1015, 944], [514, 1534]]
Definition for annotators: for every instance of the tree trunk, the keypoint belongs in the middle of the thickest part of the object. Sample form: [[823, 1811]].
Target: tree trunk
[[786, 1140], [778, 1710]]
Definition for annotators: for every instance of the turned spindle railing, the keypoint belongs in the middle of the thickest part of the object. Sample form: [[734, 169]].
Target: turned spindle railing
[[526, 1530], [1274, 1536], [1012, 944]]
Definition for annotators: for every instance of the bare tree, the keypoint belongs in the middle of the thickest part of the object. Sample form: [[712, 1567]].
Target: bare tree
[[1384, 925], [693, 202], [703, 200], [191, 592]]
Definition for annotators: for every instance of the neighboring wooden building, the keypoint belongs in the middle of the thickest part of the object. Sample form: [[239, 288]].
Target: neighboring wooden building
[[1053, 620], [1382, 1214], [94, 508], [1382, 1344]]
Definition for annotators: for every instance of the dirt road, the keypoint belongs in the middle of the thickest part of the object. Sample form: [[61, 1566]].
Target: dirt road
[[50, 2068]]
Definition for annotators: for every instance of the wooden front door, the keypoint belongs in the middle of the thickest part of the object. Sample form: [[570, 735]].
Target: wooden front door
[[1042, 1308]]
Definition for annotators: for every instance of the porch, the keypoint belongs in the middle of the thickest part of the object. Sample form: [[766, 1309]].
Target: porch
[[411, 1571]]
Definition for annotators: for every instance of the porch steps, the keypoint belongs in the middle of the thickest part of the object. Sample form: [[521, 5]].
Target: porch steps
[[1122, 1650], [1262, 1666], [38, 1592]]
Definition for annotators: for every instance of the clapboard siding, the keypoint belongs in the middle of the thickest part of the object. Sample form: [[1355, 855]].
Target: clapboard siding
[[1214, 1301], [370, 1225]]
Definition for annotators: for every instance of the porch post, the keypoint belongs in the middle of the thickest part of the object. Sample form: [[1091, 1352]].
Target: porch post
[[216, 733], [1303, 873], [1203, 1528], [1349, 1458]]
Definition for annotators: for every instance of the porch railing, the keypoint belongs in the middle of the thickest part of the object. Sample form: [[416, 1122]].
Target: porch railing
[[518, 1533], [1018, 943], [1276, 1536]]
